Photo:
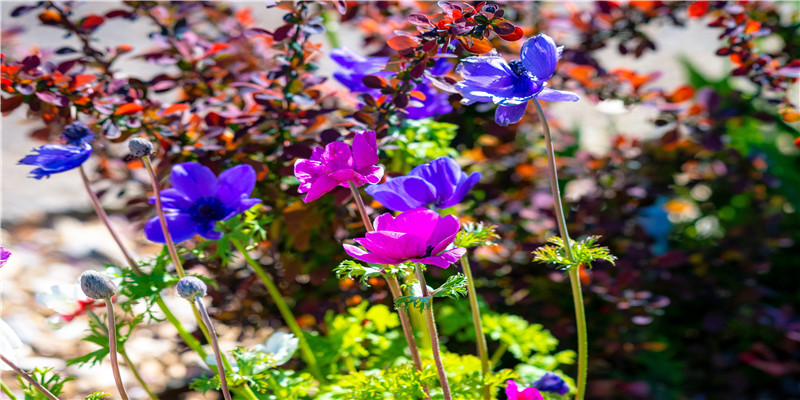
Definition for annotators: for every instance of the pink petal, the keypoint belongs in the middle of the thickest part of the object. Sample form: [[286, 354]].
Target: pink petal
[[365, 149], [321, 186], [359, 254]]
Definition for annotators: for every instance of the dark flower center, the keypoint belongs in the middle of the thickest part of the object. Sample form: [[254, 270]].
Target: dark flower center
[[77, 132], [207, 209], [428, 251], [517, 68]]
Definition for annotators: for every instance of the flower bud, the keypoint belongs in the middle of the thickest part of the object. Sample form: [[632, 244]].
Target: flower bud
[[96, 285], [190, 287], [140, 147]]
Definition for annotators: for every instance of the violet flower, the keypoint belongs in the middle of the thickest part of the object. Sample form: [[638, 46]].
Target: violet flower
[[512, 85], [551, 382], [514, 393], [54, 158], [198, 199], [440, 183], [419, 235], [354, 67], [337, 164], [4, 256]]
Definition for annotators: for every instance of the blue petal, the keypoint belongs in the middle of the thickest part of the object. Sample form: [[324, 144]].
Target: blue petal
[[464, 186], [491, 79], [393, 194], [194, 180], [539, 55], [548, 94], [442, 173], [505, 115], [235, 183], [52, 159], [172, 200], [181, 228], [486, 71]]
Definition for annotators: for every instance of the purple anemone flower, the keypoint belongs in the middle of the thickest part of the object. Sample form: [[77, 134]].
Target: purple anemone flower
[[198, 199], [4, 255], [440, 183], [54, 158], [419, 235], [551, 382], [513, 392], [356, 66], [512, 85], [337, 164]]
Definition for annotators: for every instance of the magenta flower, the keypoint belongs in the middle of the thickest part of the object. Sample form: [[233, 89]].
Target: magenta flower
[[4, 255], [337, 164], [419, 235], [513, 392]]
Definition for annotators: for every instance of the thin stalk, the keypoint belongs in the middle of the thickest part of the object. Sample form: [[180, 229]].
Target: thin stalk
[[7, 390], [135, 372], [173, 252], [394, 285], [577, 295], [483, 352], [28, 378], [223, 380], [101, 213], [112, 349], [437, 357], [286, 312], [498, 354]]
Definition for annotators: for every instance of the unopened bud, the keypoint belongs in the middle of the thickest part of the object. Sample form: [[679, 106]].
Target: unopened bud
[[190, 287], [140, 147], [96, 285]]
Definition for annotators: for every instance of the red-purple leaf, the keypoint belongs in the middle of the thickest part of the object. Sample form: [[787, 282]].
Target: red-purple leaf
[[418, 20], [374, 82], [503, 28], [53, 98], [282, 32], [402, 42]]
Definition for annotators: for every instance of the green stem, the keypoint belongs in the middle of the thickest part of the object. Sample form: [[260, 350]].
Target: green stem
[[305, 349], [223, 378], [28, 378], [135, 372], [7, 391], [498, 354], [577, 296], [437, 356], [480, 338]]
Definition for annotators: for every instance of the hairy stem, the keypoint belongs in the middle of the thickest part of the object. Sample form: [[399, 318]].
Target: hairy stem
[[394, 285], [223, 380], [112, 349], [28, 378], [173, 252], [135, 372], [101, 213], [437, 356], [577, 295], [275, 294], [483, 353]]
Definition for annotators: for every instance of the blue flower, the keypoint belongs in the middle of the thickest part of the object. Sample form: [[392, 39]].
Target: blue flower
[[440, 183], [355, 67], [552, 383], [198, 199], [512, 85], [55, 158], [655, 222]]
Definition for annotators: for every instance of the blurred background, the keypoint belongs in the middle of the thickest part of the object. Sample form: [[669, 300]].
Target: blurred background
[[681, 154]]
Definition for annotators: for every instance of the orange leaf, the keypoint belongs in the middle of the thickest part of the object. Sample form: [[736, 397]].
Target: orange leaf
[[92, 22], [80, 80], [216, 47], [791, 116], [476, 46], [698, 9], [752, 27], [402, 42], [173, 109], [797, 142], [128, 109], [417, 95], [244, 17], [514, 36], [680, 94]]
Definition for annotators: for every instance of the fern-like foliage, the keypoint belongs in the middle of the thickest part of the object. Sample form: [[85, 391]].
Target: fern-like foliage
[[474, 235], [584, 251], [97, 396], [455, 286], [50, 380]]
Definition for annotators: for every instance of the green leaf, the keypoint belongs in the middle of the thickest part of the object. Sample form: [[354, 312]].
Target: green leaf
[[455, 286], [474, 235], [52, 381], [584, 252]]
